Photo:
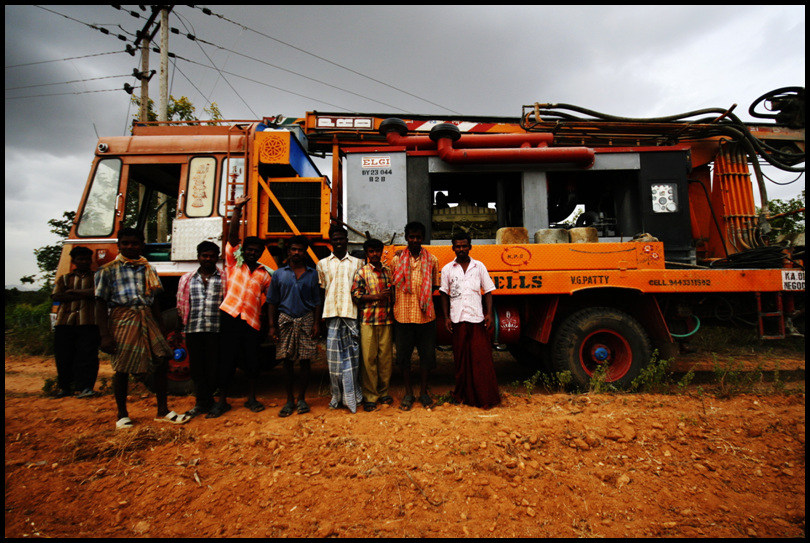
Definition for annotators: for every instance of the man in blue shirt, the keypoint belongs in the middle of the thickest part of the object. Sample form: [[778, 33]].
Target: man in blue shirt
[[294, 311]]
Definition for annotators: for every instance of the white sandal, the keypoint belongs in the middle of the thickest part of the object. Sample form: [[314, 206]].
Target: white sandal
[[124, 423], [174, 418]]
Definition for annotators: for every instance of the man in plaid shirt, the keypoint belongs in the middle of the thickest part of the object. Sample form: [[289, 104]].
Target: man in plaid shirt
[[199, 295], [371, 289], [129, 324]]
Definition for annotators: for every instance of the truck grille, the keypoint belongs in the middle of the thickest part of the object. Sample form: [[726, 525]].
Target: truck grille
[[301, 201]]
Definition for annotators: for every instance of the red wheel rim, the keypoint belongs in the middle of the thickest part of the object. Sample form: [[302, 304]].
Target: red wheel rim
[[606, 348]]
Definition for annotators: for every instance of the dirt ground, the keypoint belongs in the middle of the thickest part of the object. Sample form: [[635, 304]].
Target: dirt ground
[[541, 465]]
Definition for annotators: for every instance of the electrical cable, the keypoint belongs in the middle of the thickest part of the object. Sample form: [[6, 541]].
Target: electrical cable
[[209, 12], [757, 258], [785, 182], [94, 27], [265, 84], [223, 77], [727, 124], [59, 94], [61, 59], [200, 40], [67, 82]]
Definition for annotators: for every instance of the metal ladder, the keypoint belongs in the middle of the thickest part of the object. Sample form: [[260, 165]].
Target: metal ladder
[[232, 186], [773, 316]]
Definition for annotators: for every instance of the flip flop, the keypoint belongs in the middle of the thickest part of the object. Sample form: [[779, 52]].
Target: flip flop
[[407, 402], [255, 406], [174, 418], [287, 410], [218, 410], [426, 400], [303, 407], [124, 423]]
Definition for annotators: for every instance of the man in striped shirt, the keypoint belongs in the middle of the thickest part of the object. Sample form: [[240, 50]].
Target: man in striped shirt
[[199, 295], [75, 334], [371, 290], [335, 275], [241, 312]]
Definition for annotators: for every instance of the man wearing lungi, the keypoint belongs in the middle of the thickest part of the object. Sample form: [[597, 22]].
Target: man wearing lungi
[[415, 275], [127, 288], [199, 295], [371, 289], [294, 313], [335, 274], [469, 322], [240, 312]]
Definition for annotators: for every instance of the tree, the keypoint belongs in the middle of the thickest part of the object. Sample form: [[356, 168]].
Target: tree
[[788, 218], [48, 256], [179, 109]]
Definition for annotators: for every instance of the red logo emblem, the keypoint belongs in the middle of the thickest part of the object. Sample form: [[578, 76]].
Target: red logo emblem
[[516, 255]]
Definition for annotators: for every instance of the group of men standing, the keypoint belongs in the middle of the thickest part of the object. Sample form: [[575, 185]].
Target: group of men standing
[[366, 309]]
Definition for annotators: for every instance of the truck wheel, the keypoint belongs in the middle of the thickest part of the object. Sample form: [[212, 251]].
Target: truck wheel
[[601, 337]]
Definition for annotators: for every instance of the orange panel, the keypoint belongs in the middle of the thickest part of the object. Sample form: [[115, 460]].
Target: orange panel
[[568, 268], [273, 147], [560, 256]]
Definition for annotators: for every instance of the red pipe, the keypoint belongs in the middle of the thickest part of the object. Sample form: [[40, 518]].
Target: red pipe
[[577, 155], [468, 141]]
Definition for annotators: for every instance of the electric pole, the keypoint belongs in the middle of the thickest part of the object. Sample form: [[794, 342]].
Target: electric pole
[[163, 115]]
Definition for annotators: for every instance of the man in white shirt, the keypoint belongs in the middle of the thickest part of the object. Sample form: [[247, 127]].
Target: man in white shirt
[[470, 321], [335, 275]]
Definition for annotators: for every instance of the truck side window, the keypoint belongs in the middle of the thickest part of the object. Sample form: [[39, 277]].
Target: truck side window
[[200, 188], [233, 174], [98, 214]]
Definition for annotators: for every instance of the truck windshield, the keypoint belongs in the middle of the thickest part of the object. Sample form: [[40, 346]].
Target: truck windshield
[[99, 209]]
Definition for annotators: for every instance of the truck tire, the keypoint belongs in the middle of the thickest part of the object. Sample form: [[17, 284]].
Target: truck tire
[[601, 336]]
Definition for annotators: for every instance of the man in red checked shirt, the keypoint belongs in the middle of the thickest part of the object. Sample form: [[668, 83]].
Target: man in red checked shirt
[[371, 289], [241, 311]]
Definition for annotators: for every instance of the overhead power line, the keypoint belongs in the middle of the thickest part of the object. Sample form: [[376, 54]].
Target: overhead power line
[[209, 12], [223, 77], [200, 40], [262, 83], [59, 94], [67, 82], [94, 27], [62, 59]]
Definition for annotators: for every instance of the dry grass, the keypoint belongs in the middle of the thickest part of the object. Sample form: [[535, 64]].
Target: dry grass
[[121, 443]]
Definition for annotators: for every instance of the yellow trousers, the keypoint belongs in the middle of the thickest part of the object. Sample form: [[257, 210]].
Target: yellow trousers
[[377, 348]]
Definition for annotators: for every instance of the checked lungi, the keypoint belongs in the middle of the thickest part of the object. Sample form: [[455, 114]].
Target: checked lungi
[[295, 341], [138, 340], [343, 359]]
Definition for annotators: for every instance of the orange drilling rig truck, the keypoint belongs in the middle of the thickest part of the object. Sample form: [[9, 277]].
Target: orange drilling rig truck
[[606, 237]]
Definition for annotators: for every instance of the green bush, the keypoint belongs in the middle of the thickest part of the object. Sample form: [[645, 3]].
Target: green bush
[[28, 329]]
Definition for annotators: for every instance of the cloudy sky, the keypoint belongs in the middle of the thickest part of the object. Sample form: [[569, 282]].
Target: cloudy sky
[[625, 60]]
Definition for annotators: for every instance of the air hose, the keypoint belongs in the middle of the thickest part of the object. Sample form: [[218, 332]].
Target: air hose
[[697, 327]]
